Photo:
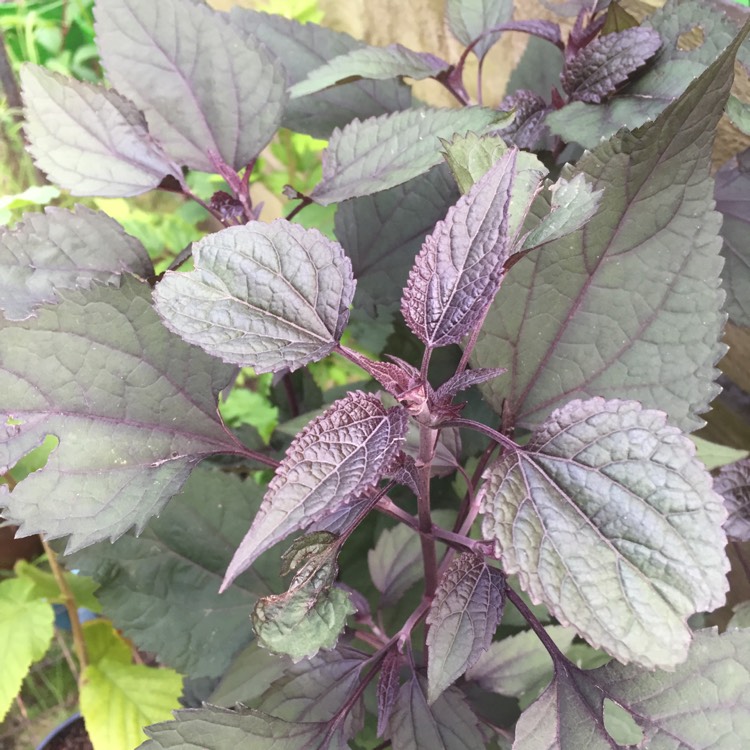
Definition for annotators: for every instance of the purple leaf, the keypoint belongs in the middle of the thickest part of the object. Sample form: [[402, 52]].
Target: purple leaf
[[202, 86], [377, 63], [733, 484], [449, 724], [470, 19], [528, 129], [337, 456], [467, 379], [388, 687], [133, 406], [382, 152], [626, 257], [732, 195], [666, 706], [315, 689], [602, 66], [190, 729], [563, 512], [463, 617], [304, 47], [88, 139], [458, 271], [341, 518], [265, 295], [382, 233], [62, 249]]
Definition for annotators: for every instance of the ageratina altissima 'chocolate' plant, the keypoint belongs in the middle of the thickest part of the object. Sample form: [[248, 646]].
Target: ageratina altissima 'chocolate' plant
[[539, 527]]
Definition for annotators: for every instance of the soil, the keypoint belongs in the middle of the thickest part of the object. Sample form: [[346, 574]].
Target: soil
[[74, 737]]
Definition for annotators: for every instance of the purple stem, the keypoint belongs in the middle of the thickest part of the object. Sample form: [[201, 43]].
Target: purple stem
[[498, 437]]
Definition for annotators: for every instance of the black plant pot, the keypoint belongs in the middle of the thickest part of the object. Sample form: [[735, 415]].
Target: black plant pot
[[60, 732]]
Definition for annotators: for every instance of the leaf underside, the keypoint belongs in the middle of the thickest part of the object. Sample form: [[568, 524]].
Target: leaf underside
[[336, 457], [733, 484], [564, 512], [202, 86], [88, 139], [269, 296]]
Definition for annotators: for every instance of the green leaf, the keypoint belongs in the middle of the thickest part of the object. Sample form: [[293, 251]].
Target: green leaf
[[470, 157], [266, 295], [382, 233], [45, 586], [672, 707], [740, 616], [133, 406], [377, 63], [212, 728], [564, 510], [63, 250], [739, 113], [248, 676], [449, 724], [302, 621], [559, 321], [463, 617], [305, 47], [518, 663], [203, 86], [119, 698], [382, 152], [468, 19], [88, 139], [26, 631], [338, 456], [173, 571], [714, 455]]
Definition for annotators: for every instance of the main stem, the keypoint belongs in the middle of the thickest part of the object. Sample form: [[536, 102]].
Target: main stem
[[427, 439]]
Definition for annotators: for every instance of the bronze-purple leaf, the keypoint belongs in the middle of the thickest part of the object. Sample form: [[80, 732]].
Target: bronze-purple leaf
[[336, 457], [458, 271]]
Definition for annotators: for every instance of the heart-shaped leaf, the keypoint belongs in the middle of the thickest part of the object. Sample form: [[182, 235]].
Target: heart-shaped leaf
[[204, 87], [118, 697], [463, 617], [26, 631], [269, 296], [563, 513], [337, 456], [62, 250], [133, 408], [88, 139]]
